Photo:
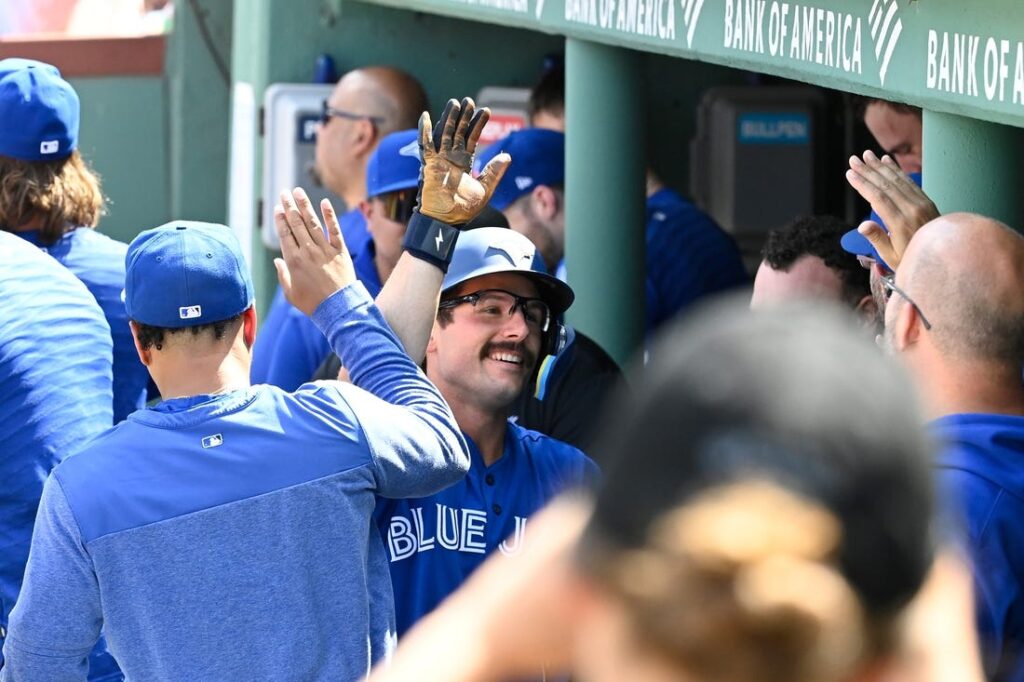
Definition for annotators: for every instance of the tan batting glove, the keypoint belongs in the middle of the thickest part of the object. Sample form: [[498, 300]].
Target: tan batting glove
[[448, 192]]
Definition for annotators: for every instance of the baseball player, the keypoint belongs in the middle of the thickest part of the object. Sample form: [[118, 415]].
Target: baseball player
[[567, 387], [496, 317], [58, 203], [497, 311], [55, 383], [191, 528]]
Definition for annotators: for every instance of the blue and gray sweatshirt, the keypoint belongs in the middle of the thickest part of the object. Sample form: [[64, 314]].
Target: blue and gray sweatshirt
[[230, 536]]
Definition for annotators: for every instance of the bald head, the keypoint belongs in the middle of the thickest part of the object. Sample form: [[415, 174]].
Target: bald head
[[389, 93], [376, 101], [966, 273]]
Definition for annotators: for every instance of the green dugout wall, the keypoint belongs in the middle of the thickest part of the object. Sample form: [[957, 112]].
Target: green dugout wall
[[962, 62]]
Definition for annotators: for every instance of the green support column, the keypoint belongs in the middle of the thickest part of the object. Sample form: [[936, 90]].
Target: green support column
[[976, 166], [604, 194], [275, 41], [199, 104]]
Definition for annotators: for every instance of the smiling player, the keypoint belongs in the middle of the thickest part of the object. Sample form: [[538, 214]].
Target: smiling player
[[495, 319]]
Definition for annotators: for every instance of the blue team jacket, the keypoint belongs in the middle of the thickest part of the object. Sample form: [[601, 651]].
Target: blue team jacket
[[230, 536], [55, 396], [289, 347], [98, 261], [981, 469], [434, 543], [688, 256]]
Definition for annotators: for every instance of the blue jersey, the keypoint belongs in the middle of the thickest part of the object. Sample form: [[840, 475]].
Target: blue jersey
[[98, 261], [366, 268], [688, 256], [434, 543], [225, 537], [979, 469], [55, 396], [289, 347]]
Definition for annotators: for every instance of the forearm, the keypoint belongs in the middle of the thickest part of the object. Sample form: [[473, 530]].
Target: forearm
[[373, 354], [408, 302]]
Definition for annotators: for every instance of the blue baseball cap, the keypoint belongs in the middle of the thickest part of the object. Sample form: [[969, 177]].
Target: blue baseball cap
[[538, 158], [857, 244], [394, 164], [489, 250], [184, 274], [38, 111]]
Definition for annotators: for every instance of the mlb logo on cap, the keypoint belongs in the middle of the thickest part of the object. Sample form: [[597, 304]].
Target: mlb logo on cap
[[184, 274], [538, 158], [49, 147]]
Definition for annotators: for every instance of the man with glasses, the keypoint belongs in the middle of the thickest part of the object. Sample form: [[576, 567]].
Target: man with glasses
[[366, 105], [956, 318], [496, 316]]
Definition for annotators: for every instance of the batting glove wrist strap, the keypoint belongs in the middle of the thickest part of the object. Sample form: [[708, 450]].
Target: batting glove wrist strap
[[430, 240]]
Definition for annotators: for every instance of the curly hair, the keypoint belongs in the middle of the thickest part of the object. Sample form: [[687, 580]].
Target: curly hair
[[150, 336], [818, 236], [64, 193]]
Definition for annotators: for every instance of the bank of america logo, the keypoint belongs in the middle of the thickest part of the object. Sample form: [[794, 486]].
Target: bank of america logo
[[691, 14], [886, 28]]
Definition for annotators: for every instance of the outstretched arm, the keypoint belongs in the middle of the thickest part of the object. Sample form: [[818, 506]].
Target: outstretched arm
[[448, 196]]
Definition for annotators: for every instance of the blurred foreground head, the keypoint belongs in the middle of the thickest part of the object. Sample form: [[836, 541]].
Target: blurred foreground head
[[766, 508]]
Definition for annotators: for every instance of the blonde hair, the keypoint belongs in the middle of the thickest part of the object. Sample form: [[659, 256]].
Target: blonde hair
[[741, 583], [64, 193]]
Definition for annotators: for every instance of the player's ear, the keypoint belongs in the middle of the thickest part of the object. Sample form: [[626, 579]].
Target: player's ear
[[545, 202], [145, 354], [867, 311], [249, 327]]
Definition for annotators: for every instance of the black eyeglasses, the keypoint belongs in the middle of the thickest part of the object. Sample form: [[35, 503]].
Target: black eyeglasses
[[890, 285], [398, 206], [327, 112], [491, 305]]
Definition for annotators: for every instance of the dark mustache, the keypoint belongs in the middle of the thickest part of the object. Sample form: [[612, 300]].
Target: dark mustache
[[529, 357]]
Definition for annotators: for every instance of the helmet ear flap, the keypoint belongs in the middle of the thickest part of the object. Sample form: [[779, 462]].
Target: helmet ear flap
[[555, 339]]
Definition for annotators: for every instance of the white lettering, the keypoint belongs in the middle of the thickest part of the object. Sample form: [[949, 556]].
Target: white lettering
[[424, 544], [446, 540], [401, 542], [1018, 76], [774, 29], [473, 525], [972, 68], [516, 543], [830, 30], [727, 42], [847, 24], [957, 80], [931, 77], [1004, 69], [581, 11], [991, 69]]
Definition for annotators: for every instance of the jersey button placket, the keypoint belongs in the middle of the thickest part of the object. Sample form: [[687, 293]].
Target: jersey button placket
[[496, 508], [489, 479]]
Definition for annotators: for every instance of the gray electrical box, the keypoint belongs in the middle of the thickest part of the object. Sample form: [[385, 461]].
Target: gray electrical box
[[508, 111], [291, 112], [756, 160]]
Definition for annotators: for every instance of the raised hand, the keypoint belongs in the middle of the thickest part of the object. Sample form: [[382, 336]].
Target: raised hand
[[448, 191], [314, 265], [896, 198]]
